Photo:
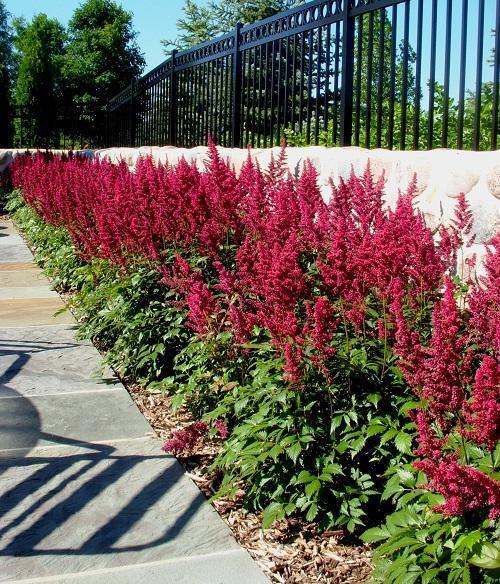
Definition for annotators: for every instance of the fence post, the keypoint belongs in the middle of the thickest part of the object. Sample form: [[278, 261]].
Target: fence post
[[236, 94], [133, 116], [172, 106], [347, 76]]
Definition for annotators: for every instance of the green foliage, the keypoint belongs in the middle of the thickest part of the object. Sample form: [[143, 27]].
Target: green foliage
[[129, 315], [6, 72], [418, 545], [40, 46], [321, 450], [101, 56]]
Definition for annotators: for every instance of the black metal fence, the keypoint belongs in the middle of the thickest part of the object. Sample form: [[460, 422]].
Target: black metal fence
[[71, 127], [376, 73]]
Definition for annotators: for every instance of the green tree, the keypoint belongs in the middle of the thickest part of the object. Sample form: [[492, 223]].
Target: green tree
[[201, 23], [40, 48], [102, 54], [6, 67]]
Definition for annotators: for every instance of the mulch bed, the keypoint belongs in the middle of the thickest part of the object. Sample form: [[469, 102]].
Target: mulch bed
[[290, 552]]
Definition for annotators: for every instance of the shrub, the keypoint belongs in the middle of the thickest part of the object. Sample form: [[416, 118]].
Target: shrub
[[328, 345]]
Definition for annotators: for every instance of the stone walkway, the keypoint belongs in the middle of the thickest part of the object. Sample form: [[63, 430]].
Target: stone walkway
[[86, 495]]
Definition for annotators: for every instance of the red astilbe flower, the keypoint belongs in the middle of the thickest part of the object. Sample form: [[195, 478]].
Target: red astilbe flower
[[283, 217], [255, 199], [313, 210], [457, 236], [320, 328], [221, 429], [484, 302], [223, 194], [429, 444], [482, 413], [408, 345], [442, 375], [401, 246], [187, 438], [462, 223], [203, 308], [334, 269], [464, 488]]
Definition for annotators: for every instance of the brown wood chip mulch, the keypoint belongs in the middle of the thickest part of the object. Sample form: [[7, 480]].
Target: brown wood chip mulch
[[292, 551]]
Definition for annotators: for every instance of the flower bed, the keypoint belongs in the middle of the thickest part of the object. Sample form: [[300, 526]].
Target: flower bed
[[349, 374]]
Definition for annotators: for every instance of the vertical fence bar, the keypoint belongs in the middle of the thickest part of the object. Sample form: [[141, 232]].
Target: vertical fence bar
[[447, 55], [369, 74], [301, 84], [404, 84], [432, 81], [259, 108], [359, 66], [172, 106], [271, 112], [309, 86], [287, 81], [418, 77], [336, 84], [392, 83], [463, 60], [133, 119], [205, 97], [266, 89], [347, 76], [318, 85], [294, 81], [327, 77], [479, 76], [380, 73], [279, 92], [254, 86], [496, 68], [236, 86]]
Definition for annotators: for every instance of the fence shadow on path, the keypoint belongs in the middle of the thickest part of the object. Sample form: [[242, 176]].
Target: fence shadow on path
[[41, 493]]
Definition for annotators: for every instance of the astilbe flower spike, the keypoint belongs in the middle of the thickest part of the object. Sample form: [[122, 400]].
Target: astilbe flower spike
[[464, 488], [186, 438], [482, 412]]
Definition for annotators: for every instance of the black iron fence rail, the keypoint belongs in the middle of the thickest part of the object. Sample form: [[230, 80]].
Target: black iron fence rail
[[70, 127], [374, 73]]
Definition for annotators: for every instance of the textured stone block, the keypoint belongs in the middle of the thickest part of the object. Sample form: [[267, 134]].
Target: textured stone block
[[69, 510], [33, 312], [68, 418], [49, 360]]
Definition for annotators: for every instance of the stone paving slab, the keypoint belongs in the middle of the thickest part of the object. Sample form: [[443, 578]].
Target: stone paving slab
[[127, 503], [33, 312], [7, 228], [235, 566], [19, 266], [26, 278], [80, 417], [23, 292], [48, 360], [14, 251]]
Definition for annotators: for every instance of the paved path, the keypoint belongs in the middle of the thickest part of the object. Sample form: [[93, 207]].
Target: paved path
[[86, 495]]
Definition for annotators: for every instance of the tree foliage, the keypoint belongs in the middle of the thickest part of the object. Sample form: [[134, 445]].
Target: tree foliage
[[102, 55], [40, 47], [6, 64], [201, 23]]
